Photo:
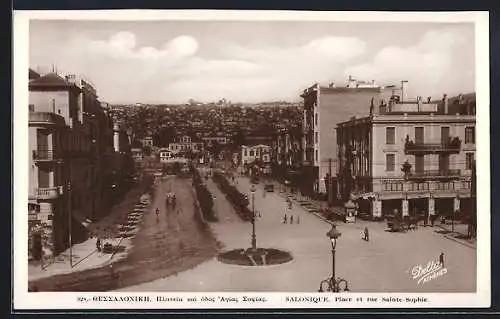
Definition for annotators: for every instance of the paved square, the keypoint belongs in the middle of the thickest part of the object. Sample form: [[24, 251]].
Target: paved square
[[383, 264]]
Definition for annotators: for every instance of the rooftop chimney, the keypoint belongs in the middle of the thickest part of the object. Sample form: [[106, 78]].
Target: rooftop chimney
[[445, 100], [403, 90]]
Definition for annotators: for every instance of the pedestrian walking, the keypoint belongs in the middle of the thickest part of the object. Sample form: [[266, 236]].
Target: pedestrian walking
[[298, 219], [366, 234], [98, 244], [441, 259], [291, 219], [284, 219]]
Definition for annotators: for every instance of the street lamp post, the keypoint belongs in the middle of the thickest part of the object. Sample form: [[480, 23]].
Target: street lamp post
[[70, 239], [334, 284], [254, 239]]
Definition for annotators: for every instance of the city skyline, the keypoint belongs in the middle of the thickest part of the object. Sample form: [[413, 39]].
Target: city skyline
[[207, 61]]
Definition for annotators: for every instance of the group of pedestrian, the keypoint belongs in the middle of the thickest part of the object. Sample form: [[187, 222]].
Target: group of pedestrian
[[291, 220]]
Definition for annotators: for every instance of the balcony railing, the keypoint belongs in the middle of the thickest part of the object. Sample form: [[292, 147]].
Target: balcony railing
[[48, 192], [46, 118], [449, 173], [46, 155], [451, 146]]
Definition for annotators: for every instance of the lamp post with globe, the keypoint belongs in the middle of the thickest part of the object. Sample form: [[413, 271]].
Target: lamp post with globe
[[334, 284], [254, 239]]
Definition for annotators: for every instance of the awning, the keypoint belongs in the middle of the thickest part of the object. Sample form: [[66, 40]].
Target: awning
[[366, 195]]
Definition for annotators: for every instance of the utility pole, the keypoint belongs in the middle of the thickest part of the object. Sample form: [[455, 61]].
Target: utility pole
[[70, 204], [70, 240], [329, 181], [473, 218]]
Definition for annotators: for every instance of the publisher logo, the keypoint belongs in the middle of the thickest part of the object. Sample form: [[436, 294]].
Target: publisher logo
[[431, 271]]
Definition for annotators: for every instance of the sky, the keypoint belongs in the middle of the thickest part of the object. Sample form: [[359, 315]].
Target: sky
[[252, 61]]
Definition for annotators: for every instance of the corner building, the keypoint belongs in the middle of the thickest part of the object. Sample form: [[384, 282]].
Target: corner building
[[413, 156], [324, 106]]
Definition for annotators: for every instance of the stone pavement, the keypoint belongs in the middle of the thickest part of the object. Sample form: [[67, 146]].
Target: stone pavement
[[85, 256], [382, 265], [458, 233]]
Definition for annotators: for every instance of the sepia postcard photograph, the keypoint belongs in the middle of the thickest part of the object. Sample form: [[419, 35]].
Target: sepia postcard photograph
[[203, 159]]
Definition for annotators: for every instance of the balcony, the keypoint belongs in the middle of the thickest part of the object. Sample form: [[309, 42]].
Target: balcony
[[46, 155], [452, 146], [48, 192], [435, 174], [46, 118]]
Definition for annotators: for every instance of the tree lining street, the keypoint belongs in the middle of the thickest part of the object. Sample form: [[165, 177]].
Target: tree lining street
[[164, 246]]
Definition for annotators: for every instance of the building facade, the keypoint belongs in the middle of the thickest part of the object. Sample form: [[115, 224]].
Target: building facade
[[323, 107], [410, 157], [223, 140], [249, 154], [137, 154], [72, 161], [57, 147], [165, 155], [186, 144], [287, 155]]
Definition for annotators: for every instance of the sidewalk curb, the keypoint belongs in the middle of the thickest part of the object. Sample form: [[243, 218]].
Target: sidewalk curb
[[460, 242], [450, 237]]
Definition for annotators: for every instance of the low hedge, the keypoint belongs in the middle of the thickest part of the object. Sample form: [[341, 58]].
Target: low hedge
[[204, 198], [238, 200]]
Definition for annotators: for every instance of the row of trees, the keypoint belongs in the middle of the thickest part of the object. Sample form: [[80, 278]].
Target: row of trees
[[204, 197], [238, 200]]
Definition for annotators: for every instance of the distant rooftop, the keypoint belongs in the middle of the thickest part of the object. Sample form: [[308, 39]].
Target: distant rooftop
[[350, 85], [51, 80]]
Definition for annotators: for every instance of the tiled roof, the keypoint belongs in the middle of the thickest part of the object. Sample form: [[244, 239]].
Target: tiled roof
[[51, 80]]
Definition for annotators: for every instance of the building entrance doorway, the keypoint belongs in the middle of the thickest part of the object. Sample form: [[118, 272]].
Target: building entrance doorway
[[36, 246], [444, 206], [388, 206], [417, 206]]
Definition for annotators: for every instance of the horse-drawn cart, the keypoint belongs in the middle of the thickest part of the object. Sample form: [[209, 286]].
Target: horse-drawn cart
[[398, 225]]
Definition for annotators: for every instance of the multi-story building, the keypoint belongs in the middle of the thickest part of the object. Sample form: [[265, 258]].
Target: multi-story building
[[71, 162], [323, 107], [250, 154], [57, 145], [412, 157], [287, 154], [185, 144]]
